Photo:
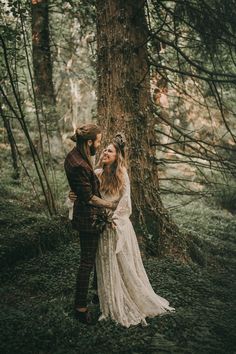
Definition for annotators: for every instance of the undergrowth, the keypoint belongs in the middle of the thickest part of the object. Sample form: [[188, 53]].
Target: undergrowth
[[40, 256]]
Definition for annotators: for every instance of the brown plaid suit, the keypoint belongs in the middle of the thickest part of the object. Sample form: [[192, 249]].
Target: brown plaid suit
[[84, 183]]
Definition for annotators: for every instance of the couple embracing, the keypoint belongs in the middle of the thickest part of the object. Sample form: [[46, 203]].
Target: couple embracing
[[101, 211]]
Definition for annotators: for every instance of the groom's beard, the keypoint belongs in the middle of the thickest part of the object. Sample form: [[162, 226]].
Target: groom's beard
[[92, 150]]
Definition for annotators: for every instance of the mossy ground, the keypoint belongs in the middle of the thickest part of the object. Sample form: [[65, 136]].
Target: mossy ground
[[40, 258]]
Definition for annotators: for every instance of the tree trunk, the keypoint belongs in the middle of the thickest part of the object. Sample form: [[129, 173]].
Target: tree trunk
[[41, 51], [43, 77], [124, 104], [11, 140]]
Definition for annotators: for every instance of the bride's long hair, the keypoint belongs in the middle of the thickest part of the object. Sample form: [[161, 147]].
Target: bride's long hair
[[112, 181]]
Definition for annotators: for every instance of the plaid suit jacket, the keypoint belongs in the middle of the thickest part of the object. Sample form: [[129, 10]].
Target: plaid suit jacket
[[84, 183]]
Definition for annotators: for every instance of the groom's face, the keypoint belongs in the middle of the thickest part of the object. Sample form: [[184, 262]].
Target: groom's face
[[95, 144]]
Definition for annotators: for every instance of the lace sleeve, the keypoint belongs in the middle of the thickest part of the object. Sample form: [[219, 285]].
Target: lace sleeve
[[124, 208]]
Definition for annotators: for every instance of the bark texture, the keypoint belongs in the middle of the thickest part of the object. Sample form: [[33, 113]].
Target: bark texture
[[43, 77], [124, 103], [41, 51], [11, 140]]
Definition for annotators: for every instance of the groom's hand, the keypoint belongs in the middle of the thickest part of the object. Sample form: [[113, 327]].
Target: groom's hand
[[100, 158], [72, 196]]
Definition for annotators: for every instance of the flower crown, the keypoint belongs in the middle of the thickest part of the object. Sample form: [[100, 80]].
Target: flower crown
[[119, 140]]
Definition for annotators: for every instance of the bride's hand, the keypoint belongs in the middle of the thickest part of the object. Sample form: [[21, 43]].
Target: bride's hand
[[113, 225], [72, 196], [114, 205]]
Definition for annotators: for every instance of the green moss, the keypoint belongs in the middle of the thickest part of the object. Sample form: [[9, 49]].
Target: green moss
[[25, 230]]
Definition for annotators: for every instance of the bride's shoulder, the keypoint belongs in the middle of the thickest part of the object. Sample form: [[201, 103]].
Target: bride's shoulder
[[124, 170], [125, 173]]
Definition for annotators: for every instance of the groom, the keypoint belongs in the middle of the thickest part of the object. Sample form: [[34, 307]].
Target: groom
[[87, 207]]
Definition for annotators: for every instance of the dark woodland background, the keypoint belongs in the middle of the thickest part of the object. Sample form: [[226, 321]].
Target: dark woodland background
[[163, 72]]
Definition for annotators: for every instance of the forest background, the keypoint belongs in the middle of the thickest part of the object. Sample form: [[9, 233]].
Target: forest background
[[163, 72]]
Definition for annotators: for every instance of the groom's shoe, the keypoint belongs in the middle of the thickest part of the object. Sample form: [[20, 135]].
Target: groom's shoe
[[85, 317]]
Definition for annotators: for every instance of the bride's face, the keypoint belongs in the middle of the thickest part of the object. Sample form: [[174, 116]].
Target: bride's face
[[109, 155]]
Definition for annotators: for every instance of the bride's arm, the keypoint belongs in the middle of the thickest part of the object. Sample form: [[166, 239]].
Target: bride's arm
[[124, 207], [96, 201]]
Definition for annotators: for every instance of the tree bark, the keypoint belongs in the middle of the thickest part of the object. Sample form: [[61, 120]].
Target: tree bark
[[124, 104], [41, 51], [11, 140], [43, 77]]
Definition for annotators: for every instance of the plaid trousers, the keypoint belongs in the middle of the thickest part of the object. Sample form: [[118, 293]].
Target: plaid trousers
[[88, 246]]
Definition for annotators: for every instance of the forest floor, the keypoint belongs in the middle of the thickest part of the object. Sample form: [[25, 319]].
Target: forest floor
[[39, 259]]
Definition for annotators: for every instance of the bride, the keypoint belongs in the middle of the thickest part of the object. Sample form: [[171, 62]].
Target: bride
[[124, 291]]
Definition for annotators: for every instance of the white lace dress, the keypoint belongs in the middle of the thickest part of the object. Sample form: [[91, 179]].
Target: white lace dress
[[125, 293]]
